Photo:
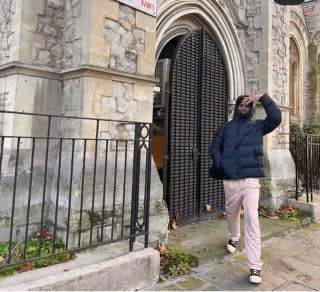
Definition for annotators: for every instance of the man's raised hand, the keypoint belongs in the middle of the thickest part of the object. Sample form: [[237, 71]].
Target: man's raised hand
[[252, 98]]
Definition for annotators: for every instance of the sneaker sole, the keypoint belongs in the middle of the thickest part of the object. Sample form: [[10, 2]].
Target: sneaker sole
[[255, 279], [230, 248]]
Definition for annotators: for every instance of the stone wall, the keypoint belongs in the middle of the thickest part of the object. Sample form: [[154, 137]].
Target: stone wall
[[311, 101], [317, 39], [77, 58], [253, 33], [280, 49], [59, 27], [125, 39], [7, 34], [280, 72]]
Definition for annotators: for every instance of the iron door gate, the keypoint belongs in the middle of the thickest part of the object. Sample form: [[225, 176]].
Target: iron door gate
[[197, 107]]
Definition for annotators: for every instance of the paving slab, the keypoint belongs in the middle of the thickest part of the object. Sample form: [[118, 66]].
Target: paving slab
[[295, 287]]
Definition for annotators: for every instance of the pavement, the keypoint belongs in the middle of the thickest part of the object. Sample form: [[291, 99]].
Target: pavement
[[290, 252]]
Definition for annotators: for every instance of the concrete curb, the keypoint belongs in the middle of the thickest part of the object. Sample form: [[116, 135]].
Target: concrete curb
[[312, 208], [131, 271]]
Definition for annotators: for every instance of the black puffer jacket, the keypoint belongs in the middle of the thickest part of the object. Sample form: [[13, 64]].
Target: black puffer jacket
[[237, 148]]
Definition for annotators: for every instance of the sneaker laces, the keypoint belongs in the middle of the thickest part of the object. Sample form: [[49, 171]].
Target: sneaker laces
[[255, 272]]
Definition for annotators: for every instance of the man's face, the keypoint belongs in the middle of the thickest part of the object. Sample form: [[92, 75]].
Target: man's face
[[244, 108]]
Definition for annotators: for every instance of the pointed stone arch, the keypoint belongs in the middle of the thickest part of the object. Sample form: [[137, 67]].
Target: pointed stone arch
[[294, 78], [177, 17], [299, 39]]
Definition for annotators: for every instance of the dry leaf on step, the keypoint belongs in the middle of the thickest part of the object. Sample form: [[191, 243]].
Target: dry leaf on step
[[163, 250], [261, 210], [25, 267], [174, 225]]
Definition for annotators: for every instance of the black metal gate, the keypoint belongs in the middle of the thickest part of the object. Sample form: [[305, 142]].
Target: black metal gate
[[197, 107], [305, 150]]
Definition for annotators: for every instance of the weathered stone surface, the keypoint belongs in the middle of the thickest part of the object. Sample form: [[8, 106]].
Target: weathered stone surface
[[126, 40], [7, 34], [59, 25], [280, 73]]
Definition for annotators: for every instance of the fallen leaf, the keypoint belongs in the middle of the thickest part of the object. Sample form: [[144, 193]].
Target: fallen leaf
[[46, 264], [45, 234], [222, 215], [174, 224], [261, 210], [303, 278], [25, 267], [163, 250], [208, 208], [286, 209]]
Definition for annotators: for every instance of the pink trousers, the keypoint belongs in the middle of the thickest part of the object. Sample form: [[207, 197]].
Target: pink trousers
[[244, 192]]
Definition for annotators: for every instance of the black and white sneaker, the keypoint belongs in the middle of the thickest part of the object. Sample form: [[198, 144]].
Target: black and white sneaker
[[232, 246], [255, 276]]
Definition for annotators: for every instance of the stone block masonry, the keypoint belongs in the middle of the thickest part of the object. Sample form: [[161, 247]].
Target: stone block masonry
[[59, 26], [7, 35], [280, 74], [126, 40], [75, 58], [252, 54]]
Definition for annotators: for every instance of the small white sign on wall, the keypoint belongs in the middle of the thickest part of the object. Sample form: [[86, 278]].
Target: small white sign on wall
[[147, 6]]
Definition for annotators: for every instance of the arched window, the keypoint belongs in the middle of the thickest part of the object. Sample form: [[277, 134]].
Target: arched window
[[294, 75]]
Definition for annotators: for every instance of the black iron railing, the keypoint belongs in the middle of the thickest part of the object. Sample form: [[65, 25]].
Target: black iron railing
[[80, 182], [305, 150]]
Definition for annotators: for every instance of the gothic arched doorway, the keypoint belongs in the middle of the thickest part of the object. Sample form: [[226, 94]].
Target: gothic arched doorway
[[194, 106]]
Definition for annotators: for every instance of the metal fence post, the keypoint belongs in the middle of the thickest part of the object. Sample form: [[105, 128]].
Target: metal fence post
[[296, 165], [135, 185], [147, 188], [307, 167]]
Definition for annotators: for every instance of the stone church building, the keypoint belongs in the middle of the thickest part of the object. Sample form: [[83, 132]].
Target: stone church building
[[178, 64]]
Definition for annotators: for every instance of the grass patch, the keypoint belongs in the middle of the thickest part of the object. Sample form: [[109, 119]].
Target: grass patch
[[32, 251]]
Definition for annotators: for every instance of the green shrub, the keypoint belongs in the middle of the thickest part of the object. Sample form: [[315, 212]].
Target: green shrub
[[312, 124], [295, 125], [177, 262]]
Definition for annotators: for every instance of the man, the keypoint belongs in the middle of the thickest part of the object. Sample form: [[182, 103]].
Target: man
[[237, 153]]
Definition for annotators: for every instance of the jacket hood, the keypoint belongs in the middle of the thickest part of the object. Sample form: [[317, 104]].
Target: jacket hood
[[237, 115]]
